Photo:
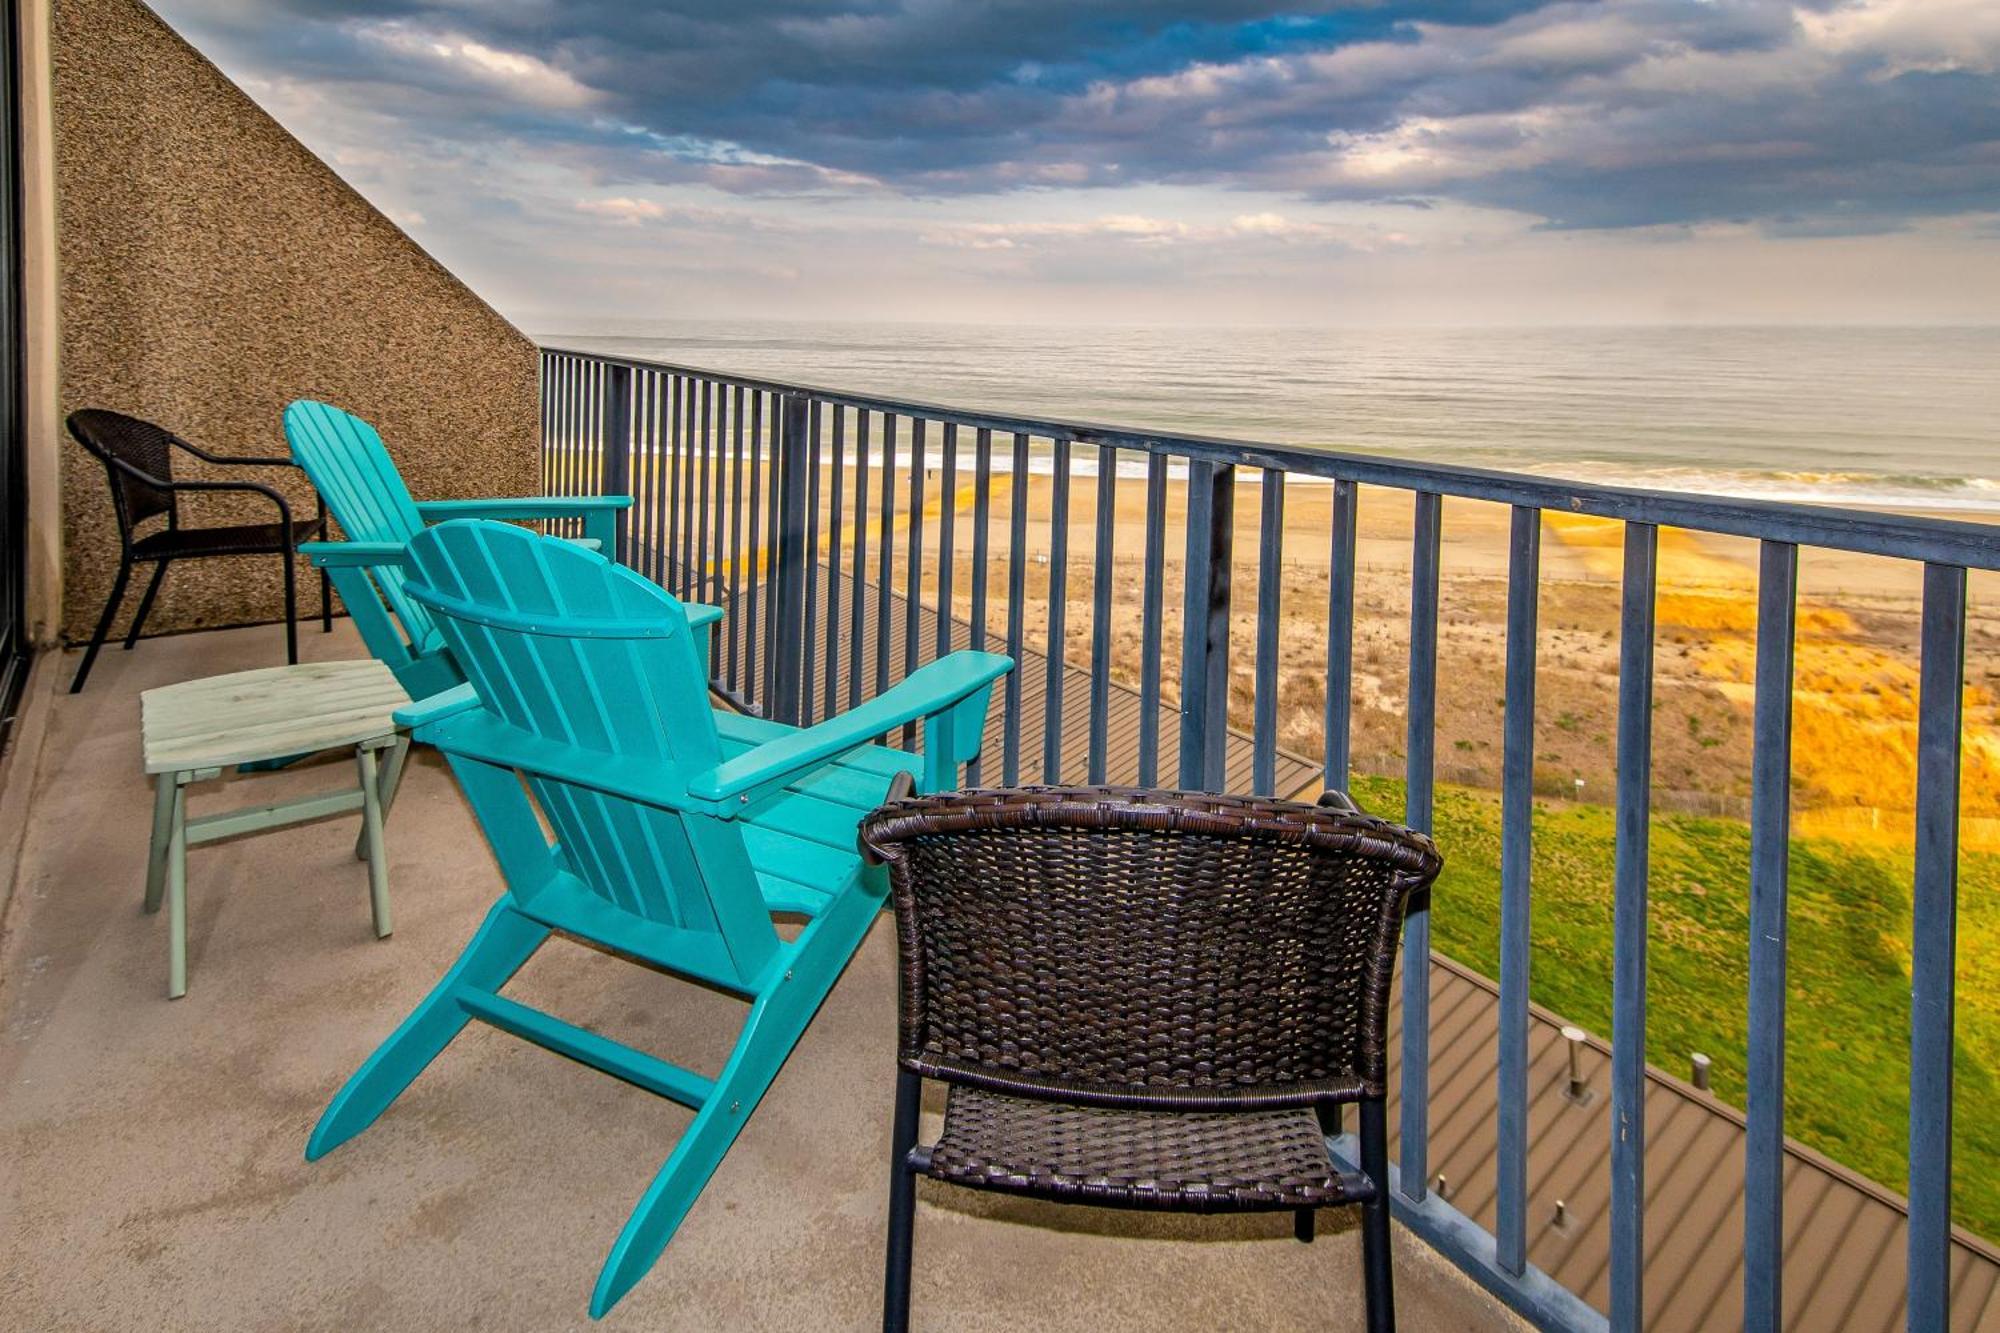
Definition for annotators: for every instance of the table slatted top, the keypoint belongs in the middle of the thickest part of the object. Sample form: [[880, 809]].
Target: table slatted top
[[267, 714]]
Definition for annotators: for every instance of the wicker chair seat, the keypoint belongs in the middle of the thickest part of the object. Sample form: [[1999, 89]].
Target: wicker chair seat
[[236, 539], [1260, 1161]]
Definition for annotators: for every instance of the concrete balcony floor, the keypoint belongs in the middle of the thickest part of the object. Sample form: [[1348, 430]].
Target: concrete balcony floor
[[151, 1169]]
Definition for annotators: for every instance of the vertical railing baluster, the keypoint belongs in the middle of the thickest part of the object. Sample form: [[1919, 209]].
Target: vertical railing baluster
[[690, 578], [584, 414], [642, 463], [808, 662], [1770, 862], [1270, 578], [1628, 963], [774, 427], [544, 405], [671, 559], [1211, 527], [1517, 826], [559, 427], [858, 604], [616, 459], [913, 534], [577, 440], [947, 535], [1017, 594], [913, 574], [1151, 596], [572, 396], [1103, 562], [1058, 612], [982, 517], [558, 420], [836, 502], [702, 551], [748, 625], [793, 479], [656, 438], [1934, 943], [735, 603], [886, 573], [718, 574], [1338, 760], [1419, 770]]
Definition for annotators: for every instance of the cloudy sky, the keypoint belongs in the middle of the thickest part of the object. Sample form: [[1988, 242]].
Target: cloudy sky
[[1405, 161]]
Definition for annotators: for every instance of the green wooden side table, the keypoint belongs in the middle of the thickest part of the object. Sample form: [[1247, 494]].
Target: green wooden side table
[[194, 730]]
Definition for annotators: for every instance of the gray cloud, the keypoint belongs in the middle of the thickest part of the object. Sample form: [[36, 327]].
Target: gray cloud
[[1613, 113]]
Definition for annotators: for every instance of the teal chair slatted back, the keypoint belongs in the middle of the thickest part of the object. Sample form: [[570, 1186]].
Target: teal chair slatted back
[[351, 468], [589, 663], [584, 693]]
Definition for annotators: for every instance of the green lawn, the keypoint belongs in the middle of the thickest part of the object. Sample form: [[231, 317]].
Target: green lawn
[[1847, 1030]]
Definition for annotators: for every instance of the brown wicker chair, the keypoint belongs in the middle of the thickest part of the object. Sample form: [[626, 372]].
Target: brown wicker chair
[[1145, 1000]]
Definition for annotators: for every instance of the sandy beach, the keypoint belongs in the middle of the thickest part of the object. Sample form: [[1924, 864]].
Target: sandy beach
[[1855, 703]]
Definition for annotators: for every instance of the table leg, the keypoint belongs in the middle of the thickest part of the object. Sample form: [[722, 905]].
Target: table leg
[[371, 836], [164, 788], [392, 780], [177, 889]]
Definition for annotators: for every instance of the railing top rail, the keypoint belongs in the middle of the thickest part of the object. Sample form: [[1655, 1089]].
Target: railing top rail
[[1943, 541]]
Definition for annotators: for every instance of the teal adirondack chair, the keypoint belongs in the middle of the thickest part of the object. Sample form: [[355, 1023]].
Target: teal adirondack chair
[[679, 830], [349, 466]]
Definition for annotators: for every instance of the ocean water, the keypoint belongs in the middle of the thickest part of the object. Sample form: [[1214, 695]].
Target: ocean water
[[1905, 417]]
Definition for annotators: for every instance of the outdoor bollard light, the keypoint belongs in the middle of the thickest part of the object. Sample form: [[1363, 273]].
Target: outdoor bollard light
[[1701, 1064]]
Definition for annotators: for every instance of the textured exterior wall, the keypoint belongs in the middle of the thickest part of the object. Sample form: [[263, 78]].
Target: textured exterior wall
[[212, 270]]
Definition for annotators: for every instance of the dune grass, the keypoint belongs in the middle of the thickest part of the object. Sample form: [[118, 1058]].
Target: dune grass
[[1847, 1028]]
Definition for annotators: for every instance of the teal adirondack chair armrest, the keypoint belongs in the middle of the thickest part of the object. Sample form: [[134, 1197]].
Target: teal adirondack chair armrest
[[349, 565], [438, 707], [950, 695], [352, 555], [598, 512]]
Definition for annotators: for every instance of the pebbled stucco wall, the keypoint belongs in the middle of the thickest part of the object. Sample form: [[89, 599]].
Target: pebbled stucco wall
[[211, 270]]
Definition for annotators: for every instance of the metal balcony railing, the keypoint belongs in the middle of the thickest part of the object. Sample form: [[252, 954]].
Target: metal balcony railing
[[789, 504]]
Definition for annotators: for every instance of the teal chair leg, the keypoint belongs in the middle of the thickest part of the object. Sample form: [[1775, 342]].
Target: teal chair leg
[[505, 941], [774, 1026]]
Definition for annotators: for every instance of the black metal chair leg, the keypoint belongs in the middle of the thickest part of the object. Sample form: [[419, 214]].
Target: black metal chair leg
[[902, 1204], [325, 603], [103, 625], [1375, 1272], [146, 603], [291, 608]]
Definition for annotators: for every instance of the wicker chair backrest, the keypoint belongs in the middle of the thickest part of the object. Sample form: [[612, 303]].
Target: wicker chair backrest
[[1147, 948], [138, 444]]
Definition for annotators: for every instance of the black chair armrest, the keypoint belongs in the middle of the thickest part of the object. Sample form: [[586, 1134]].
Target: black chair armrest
[[228, 460], [284, 509]]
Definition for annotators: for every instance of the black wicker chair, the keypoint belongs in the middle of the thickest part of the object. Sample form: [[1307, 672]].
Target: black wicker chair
[[1151, 1000], [138, 459]]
